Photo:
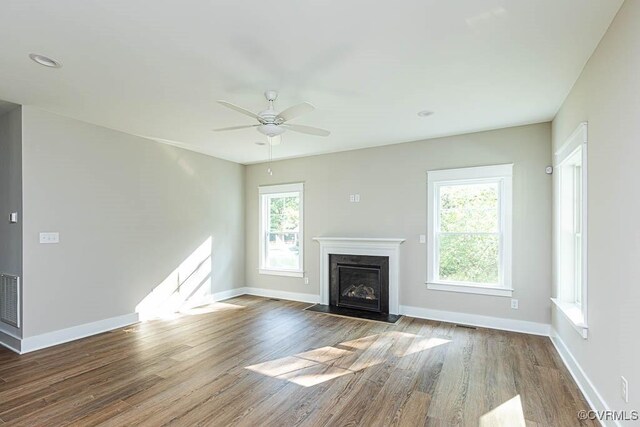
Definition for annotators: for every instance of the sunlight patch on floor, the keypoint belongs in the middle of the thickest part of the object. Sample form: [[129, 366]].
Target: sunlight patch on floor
[[322, 364], [508, 414]]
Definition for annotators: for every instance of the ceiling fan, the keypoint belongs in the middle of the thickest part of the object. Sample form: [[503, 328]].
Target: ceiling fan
[[273, 124]]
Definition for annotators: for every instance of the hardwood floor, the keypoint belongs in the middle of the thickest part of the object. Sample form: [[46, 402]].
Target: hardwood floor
[[253, 361]]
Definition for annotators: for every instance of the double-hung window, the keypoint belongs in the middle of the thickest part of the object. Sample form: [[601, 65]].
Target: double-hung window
[[469, 230], [281, 229], [570, 182]]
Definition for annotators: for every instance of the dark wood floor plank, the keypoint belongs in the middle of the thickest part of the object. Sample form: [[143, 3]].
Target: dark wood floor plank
[[252, 361]]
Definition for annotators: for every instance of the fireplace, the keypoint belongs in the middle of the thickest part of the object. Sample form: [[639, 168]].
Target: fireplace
[[359, 277], [359, 282]]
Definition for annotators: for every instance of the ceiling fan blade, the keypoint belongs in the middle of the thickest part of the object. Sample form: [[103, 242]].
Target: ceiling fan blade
[[295, 111], [235, 128], [239, 109], [308, 129]]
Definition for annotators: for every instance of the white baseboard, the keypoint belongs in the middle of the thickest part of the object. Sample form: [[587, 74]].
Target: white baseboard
[[500, 323], [73, 333], [231, 293], [589, 391], [292, 296]]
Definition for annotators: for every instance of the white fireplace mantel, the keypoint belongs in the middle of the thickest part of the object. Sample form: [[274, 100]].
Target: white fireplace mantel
[[389, 247]]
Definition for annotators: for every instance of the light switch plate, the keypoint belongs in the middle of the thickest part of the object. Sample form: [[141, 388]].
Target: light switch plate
[[13, 217], [357, 198], [50, 237], [423, 238]]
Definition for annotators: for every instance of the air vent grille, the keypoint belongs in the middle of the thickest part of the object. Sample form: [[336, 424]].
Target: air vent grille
[[10, 300]]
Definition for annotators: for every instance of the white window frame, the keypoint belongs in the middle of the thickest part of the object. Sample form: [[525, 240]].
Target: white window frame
[[501, 174], [278, 190], [574, 309]]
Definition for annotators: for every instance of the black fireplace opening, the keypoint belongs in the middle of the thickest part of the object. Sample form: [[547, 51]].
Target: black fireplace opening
[[359, 282]]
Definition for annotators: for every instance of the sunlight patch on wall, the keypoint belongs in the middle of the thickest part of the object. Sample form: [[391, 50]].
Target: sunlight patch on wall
[[183, 289]]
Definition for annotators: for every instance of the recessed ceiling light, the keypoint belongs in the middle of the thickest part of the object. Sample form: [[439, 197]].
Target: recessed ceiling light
[[261, 143], [425, 113], [43, 60]]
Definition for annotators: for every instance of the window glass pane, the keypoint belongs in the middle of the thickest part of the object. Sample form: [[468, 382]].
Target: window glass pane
[[282, 240], [469, 258], [469, 208]]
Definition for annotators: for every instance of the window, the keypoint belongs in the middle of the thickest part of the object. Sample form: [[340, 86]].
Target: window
[[469, 230], [281, 229], [570, 231]]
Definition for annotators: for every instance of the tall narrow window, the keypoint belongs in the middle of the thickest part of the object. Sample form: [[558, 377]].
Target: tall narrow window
[[570, 183], [281, 229], [469, 230]]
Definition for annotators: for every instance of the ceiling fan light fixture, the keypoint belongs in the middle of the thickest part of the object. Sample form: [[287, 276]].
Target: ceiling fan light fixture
[[271, 129]]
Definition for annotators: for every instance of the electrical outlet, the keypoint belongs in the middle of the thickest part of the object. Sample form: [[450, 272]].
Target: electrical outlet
[[514, 304], [423, 238], [306, 280], [625, 389]]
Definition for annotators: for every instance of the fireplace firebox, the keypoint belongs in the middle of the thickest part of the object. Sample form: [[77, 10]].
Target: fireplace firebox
[[359, 282]]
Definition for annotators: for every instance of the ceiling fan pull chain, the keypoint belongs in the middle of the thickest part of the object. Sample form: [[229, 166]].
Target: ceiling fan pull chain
[[269, 170]]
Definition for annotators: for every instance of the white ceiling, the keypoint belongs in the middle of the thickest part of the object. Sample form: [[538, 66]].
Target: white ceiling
[[155, 68]]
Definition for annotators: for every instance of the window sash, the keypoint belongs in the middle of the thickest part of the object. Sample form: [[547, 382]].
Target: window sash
[[266, 195], [438, 227], [571, 213], [500, 175]]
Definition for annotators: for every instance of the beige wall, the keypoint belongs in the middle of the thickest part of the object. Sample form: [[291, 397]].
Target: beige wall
[[129, 212], [391, 181], [607, 96], [10, 197]]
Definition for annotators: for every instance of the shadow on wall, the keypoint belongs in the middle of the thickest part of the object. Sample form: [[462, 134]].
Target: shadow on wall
[[186, 287]]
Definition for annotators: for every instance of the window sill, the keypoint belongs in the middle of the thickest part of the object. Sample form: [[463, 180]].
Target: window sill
[[573, 313], [286, 273], [471, 289]]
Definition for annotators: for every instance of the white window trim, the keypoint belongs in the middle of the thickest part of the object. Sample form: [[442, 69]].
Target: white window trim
[[504, 172], [576, 314], [277, 189]]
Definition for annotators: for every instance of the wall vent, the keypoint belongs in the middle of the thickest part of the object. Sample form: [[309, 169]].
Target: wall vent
[[10, 300]]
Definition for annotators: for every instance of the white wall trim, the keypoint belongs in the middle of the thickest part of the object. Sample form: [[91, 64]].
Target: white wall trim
[[230, 293], [513, 325], [589, 391], [577, 138], [292, 296], [73, 333], [471, 289]]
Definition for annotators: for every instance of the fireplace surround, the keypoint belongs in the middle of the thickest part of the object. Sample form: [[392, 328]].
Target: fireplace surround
[[368, 247]]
